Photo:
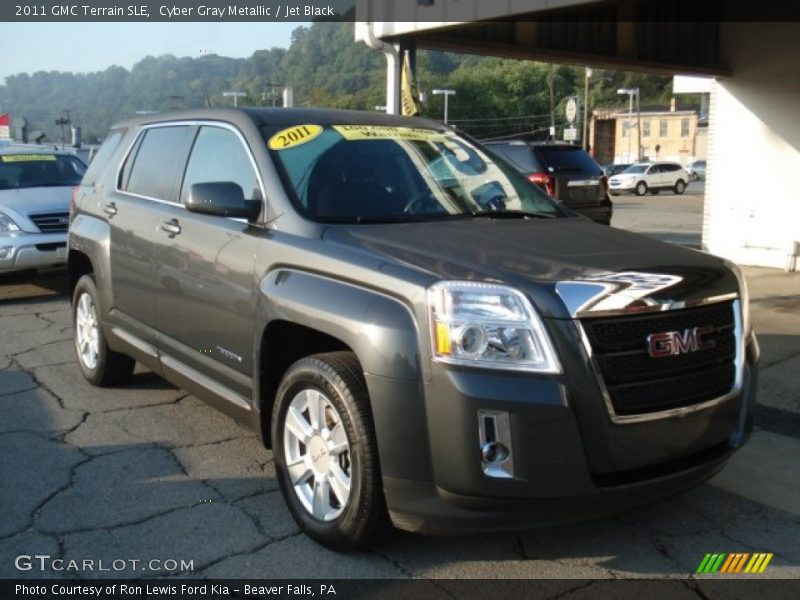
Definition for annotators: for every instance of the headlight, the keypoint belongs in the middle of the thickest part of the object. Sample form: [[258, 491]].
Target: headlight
[[486, 325], [7, 224], [744, 296]]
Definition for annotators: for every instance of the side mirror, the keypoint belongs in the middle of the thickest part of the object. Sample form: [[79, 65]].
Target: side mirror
[[222, 199]]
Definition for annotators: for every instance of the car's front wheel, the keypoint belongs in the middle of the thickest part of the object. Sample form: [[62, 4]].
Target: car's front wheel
[[325, 452], [680, 186], [99, 364], [641, 188]]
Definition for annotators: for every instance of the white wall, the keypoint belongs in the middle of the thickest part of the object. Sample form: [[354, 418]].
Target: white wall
[[752, 209]]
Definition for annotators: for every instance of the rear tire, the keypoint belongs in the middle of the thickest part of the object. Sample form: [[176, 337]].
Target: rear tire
[[680, 186], [99, 364], [641, 188], [326, 456]]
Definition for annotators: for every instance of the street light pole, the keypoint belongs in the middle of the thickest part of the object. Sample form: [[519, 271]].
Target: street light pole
[[585, 136], [446, 94], [630, 92], [236, 96]]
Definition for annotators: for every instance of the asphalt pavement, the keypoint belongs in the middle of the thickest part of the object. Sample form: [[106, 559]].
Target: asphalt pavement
[[146, 472]]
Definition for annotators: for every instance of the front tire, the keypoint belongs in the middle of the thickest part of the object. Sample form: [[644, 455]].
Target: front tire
[[99, 364], [326, 457], [680, 186], [641, 188]]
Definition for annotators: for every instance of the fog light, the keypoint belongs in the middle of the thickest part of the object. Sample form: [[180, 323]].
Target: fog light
[[494, 438], [6, 251], [495, 452]]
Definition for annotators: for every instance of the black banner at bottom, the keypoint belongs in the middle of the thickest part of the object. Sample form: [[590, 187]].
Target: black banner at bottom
[[411, 589]]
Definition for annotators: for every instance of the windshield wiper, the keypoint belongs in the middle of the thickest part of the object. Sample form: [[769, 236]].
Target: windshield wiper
[[511, 214]]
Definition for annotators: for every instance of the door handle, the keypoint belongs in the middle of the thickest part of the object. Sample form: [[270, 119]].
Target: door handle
[[110, 209], [171, 227]]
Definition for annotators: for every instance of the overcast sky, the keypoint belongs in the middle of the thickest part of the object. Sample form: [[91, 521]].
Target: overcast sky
[[86, 47]]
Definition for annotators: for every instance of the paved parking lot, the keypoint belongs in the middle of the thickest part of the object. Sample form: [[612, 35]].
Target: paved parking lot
[[146, 472]]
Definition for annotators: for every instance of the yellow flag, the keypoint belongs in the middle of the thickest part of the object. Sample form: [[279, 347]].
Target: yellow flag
[[408, 96]]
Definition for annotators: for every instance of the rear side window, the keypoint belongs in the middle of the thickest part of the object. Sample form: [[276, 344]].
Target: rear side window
[[218, 155], [104, 154], [158, 161], [519, 156], [568, 158]]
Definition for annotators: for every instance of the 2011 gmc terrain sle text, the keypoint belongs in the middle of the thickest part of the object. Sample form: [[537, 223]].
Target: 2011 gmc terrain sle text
[[421, 335]]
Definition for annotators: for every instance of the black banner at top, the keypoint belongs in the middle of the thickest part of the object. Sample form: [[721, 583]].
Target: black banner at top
[[406, 11]]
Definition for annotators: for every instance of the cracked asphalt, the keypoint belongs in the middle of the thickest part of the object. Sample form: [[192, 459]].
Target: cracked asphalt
[[145, 471]]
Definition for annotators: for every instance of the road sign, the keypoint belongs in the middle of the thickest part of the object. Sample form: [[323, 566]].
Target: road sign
[[570, 134], [571, 109]]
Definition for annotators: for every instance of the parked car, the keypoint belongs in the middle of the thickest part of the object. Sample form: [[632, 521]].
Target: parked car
[[611, 170], [652, 177], [419, 333], [697, 170], [564, 171], [35, 192]]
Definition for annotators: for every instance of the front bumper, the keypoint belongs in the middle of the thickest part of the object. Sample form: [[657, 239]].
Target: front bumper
[[21, 250], [621, 189], [557, 475]]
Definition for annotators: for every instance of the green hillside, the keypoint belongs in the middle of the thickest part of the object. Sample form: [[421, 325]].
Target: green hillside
[[326, 67]]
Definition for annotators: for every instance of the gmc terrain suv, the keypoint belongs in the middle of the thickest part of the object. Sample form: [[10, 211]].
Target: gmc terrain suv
[[419, 333]]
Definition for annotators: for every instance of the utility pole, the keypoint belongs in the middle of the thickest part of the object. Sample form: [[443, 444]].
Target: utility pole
[[551, 84], [63, 122], [236, 96], [638, 127], [585, 136], [271, 86]]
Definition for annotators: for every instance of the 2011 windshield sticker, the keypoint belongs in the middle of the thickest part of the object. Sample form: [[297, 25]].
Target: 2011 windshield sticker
[[386, 132], [293, 136], [26, 157]]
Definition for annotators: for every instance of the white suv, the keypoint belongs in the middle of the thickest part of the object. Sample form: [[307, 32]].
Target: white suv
[[649, 177]]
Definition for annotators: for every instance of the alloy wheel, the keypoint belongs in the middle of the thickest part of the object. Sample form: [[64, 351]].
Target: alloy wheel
[[87, 331], [317, 454]]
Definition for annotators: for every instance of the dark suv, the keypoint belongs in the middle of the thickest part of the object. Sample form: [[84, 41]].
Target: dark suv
[[419, 333], [564, 171]]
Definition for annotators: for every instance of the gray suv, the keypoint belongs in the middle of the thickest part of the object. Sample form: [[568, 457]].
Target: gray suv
[[421, 335]]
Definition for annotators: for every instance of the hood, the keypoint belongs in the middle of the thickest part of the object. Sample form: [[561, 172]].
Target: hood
[[541, 256], [19, 203]]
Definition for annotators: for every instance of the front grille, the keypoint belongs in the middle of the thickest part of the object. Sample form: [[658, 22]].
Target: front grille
[[638, 383], [51, 222]]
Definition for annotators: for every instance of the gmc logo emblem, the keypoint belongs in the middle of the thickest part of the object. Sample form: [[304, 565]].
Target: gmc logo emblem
[[674, 343]]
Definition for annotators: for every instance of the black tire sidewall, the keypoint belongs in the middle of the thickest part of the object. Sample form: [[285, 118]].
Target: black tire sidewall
[[680, 187], [340, 532]]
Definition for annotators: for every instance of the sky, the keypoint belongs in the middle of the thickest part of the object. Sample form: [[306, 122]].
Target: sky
[[87, 47]]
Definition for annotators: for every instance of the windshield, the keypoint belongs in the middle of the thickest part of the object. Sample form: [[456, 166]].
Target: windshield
[[636, 169], [39, 170], [376, 173]]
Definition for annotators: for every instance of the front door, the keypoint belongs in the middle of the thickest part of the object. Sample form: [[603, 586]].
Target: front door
[[205, 304]]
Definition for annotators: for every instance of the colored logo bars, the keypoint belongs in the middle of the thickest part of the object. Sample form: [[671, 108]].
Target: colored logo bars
[[735, 562]]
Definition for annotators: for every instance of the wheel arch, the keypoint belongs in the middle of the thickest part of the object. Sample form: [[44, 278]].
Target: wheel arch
[[304, 313]]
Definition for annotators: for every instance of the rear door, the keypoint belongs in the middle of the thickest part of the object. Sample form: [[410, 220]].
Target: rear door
[[204, 269], [148, 178]]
